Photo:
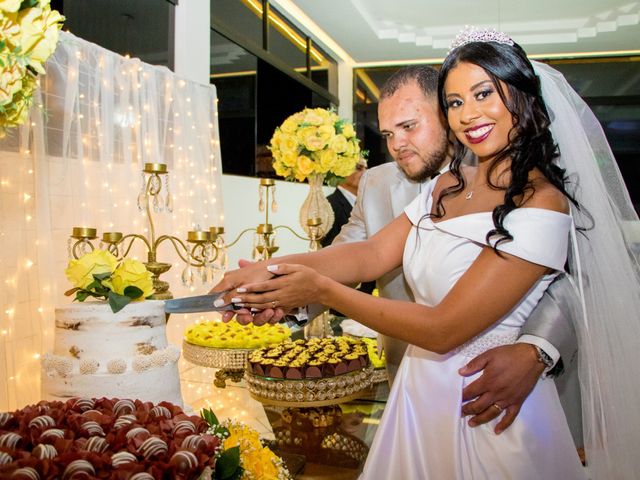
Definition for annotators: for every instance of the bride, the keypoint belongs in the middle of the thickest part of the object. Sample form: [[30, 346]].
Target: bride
[[478, 247]]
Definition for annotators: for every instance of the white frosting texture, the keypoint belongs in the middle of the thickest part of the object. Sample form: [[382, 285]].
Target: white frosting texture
[[101, 354]]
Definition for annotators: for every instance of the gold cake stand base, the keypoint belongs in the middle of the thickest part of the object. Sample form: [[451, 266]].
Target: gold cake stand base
[[231, 362]]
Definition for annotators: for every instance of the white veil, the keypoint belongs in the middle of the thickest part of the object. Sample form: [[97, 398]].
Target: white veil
[[606, 276]]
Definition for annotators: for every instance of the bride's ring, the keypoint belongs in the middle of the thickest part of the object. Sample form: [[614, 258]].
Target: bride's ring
[[498, 407], [274, 303]]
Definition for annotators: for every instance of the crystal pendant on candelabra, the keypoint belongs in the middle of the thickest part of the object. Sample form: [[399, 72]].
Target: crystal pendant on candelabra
[[168, 201], [157, 206], [261, 198], [142, 196], [187, 274], [274, 203], [316, 206]]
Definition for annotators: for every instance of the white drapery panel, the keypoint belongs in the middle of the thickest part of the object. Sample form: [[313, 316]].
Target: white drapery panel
[[97, 119]]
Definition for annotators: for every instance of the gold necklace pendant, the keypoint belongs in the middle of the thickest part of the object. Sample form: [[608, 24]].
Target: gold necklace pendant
[[468, 195]]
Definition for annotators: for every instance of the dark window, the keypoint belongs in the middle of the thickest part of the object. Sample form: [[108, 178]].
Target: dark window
[[140, 29]]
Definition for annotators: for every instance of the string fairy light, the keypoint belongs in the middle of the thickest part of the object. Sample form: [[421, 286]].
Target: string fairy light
[[97, 181]]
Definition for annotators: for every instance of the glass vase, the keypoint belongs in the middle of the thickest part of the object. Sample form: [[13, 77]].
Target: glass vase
[[316, 206]]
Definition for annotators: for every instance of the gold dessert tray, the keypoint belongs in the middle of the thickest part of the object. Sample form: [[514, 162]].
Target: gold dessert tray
[[309, 392], [231, 362]]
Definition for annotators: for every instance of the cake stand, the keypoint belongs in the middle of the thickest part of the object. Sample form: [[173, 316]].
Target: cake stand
[[230, 362], [309, 392]]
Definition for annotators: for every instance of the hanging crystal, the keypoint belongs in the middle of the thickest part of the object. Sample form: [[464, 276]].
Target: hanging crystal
[[85, 247], [261, 196], [157, 207], [187, 276], [168, 201], [70, 248], [274, 204], [142, 196]]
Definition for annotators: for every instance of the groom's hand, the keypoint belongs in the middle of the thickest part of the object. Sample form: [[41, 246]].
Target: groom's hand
[[245, 316], [509, 373]]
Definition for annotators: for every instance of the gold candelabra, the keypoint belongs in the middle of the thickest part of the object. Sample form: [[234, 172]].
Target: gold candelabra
[[200, 249], [264, 240]]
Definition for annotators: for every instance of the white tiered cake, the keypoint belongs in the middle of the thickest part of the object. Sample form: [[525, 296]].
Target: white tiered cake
[[98, 353]]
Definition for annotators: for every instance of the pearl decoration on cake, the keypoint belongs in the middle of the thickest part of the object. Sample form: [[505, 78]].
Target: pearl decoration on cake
[[158, 358], [43, 421], [76, 467], [44, 450], [122, 458], [89, 366], [116, 366], [141, 363], [63, 366]]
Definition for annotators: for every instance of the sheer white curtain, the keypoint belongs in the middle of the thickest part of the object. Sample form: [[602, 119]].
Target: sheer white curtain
[[97, 119]]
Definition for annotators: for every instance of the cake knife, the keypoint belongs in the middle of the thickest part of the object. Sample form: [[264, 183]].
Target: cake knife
[[205, 303]]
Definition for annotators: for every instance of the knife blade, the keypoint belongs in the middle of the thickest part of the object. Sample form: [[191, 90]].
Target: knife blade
[[204, 303], [198, 303]]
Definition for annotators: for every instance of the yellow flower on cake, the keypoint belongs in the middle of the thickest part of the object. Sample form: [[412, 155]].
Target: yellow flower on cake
[[131, 273], [317, 136], [98, 274], [80, 272]]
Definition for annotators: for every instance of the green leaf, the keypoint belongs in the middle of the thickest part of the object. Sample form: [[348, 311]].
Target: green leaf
[[209, 417], [82, 295], [133, 292], [117, 302], [228, 465], [28, 4], [95, 285], [101, 276]]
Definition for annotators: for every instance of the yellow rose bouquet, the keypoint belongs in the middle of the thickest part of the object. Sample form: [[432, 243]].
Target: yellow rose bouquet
[[29, 32], [98, 274], [315, 141], [242, 455]]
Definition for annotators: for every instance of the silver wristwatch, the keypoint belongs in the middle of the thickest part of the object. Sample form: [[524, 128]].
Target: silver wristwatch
[[543, 357]]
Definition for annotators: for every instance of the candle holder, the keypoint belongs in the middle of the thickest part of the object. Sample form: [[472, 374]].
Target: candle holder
[[198, 251], [264, 239]]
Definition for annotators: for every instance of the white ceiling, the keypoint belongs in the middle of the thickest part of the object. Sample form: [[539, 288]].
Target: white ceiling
[[396, 31]]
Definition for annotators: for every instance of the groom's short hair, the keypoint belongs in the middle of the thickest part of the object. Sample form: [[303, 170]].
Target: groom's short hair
[[424, 75]]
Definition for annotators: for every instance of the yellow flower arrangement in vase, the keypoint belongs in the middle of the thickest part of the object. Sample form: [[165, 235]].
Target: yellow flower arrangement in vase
[[29, 31], [315, 144]]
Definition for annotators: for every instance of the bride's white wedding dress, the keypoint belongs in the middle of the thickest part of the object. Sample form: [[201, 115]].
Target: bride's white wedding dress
[[422, 434]]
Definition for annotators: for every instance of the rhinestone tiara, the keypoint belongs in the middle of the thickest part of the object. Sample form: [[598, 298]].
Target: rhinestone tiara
[[473, 34]]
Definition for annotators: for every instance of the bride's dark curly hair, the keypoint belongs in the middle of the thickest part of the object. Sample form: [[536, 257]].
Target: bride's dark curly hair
[[531, 144]]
